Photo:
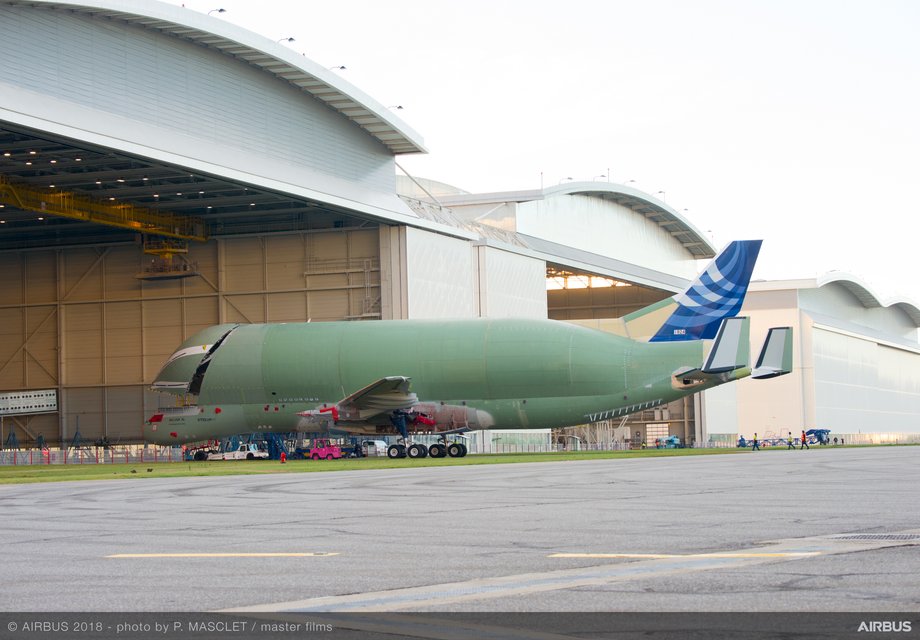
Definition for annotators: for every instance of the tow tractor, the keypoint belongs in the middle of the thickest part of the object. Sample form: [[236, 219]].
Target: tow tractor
[[322, 449]]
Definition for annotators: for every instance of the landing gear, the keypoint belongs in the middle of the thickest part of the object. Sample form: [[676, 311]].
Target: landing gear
[[417, 451], [456, 450], [443, 449]]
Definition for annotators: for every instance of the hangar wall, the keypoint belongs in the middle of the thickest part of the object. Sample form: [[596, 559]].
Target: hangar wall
[[856, 365], [430, 275], [78, 320], [509, 285]]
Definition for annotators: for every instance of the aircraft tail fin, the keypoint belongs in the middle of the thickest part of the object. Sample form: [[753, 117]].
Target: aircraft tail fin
[[717, 293], [776, 355]]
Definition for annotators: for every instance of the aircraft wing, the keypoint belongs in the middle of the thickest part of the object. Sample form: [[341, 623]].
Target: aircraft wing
[[386, 394], [382, 396]]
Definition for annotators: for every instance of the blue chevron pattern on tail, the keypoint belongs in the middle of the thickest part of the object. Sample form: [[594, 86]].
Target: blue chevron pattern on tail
[[717, 293]]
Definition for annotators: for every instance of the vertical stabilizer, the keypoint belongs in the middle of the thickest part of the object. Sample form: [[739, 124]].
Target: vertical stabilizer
[[714, 295]]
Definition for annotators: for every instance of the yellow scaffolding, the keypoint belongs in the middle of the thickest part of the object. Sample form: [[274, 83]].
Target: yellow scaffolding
[[122, 215]]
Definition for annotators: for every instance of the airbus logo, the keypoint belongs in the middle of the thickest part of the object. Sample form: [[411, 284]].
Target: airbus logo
[[885, 626]]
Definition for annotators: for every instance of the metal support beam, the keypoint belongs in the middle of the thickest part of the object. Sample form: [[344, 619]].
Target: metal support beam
[[122, 215]]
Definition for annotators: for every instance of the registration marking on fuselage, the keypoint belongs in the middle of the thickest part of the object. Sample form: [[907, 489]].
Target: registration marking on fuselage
[[224, 555]]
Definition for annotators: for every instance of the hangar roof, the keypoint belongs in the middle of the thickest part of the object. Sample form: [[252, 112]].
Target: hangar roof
[[643, 204], [859, 289], [271, 57], [867, 297]]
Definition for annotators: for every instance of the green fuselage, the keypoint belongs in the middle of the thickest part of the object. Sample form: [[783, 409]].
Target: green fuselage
[[517, 373]]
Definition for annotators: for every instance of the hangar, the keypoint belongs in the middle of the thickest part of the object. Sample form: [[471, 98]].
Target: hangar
[[856, 365], [163, 171]]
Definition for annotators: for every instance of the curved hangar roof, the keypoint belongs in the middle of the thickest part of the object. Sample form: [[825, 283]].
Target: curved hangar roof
[[654, 210], [256, 50], [867, 297], [58, 133]]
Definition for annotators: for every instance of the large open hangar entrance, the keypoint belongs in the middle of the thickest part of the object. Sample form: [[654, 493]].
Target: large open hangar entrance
[[93, 310], [162, 171]]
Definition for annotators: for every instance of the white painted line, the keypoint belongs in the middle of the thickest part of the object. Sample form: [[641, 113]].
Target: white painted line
[[221, 555]]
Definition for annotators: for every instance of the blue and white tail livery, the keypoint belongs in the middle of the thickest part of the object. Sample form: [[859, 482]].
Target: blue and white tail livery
[[716, 294]]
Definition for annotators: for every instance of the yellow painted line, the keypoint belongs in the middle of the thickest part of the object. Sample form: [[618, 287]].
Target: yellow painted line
[[657, 556], [221, 555]]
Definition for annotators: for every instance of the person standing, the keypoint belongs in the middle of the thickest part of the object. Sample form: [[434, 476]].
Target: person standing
[[790, 442], [756, 444], [804, 441]]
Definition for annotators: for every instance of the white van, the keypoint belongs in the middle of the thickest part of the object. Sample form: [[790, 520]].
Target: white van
[[375, 447]]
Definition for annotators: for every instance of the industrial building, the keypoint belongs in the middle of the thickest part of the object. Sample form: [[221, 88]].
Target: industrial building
[[856, 372], [163, 171]]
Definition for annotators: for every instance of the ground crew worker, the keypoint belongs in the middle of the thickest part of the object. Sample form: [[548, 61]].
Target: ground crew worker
[[804, 441], [756, 445], [790, 441]]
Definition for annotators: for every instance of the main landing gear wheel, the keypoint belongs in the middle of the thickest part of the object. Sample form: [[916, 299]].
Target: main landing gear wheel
[[437, 450], [455, 450], [396, 451], [417, 451]]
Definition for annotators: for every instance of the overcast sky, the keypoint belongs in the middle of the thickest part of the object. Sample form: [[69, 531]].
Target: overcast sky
[[793, 121]]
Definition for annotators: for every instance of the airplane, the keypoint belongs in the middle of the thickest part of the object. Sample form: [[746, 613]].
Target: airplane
[[445, 377]]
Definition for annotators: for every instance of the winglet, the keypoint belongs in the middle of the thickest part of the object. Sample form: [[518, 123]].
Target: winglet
[[776, 355], [714, 295], [732, 348]]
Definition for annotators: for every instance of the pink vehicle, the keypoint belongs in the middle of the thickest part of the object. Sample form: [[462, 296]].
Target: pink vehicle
[[323, 449]]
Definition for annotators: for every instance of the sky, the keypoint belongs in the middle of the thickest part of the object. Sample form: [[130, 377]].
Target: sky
[[793, 121]]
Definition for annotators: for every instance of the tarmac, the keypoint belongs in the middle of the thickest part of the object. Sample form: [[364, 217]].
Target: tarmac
[[827, 529]]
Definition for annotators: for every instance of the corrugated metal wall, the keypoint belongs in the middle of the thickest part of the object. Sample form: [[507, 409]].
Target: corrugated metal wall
[[863, 386], [78, 320], [439, 271], [510, 285]]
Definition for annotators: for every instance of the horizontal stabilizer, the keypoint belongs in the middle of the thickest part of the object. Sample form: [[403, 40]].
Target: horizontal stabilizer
[[776, 355], [732, 348]]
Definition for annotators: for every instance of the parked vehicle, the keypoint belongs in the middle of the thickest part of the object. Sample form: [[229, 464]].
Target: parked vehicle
[[322, 449], [375, 447], [246, 451]]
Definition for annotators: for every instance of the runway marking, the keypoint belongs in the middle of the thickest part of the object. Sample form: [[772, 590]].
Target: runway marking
[[522, 584], [222, 555], [642, 567], [657, 556]]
